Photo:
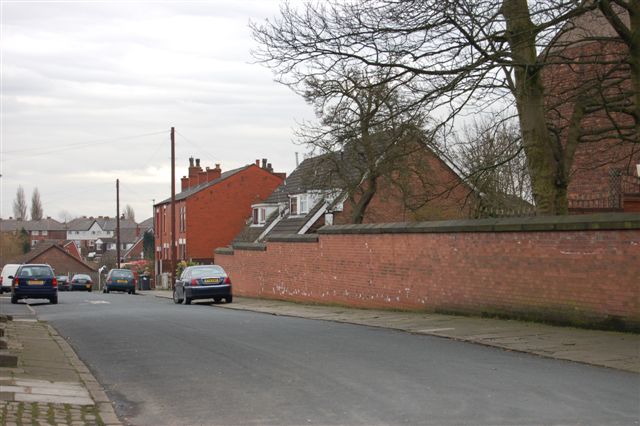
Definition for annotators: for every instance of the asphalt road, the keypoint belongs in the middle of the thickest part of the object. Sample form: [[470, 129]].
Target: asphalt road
[[166, 364]]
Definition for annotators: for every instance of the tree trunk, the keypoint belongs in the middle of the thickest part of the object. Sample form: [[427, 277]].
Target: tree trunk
[[360, 206], [548, 187]]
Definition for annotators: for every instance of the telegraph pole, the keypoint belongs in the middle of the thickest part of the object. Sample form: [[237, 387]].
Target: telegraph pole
[[118, 223], [173, 208]]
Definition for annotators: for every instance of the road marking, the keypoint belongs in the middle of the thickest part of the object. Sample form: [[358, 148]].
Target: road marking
[[98, 302]]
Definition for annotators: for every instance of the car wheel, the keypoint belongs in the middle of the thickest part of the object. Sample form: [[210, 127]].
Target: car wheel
[[133, 291], [217, 299], [89, 290], [187, 300], [14, 299], [229, 299], [54, 300], [176, 299]]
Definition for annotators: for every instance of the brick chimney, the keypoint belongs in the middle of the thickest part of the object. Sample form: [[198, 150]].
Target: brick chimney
[[193, 172], [213, 174], [184, 183]]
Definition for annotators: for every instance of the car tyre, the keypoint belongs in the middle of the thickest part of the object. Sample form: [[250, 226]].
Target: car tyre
[[14, 299], [229, 299], [217, 299], [133, 291], [187, 300], [54, 300], [176, 299]]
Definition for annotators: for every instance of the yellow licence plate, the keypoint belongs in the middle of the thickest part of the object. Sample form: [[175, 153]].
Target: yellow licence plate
[[121, 281], [212, 280], [35, 282]]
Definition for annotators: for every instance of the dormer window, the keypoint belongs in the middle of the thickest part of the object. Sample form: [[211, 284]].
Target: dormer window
[[299, 204], [259, 215]]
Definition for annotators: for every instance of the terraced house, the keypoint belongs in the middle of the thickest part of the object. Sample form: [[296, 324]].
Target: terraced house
[[211, 209]]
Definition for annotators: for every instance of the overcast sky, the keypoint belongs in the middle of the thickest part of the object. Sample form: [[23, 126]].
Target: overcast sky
[[90, 90]]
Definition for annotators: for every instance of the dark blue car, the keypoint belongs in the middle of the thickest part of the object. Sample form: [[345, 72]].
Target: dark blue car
[[34, 281], [203, 282], [120, 280]]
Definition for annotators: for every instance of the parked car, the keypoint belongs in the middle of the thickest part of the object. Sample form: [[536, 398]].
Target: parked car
[[5, 282], [63, 283], [34, 281], [203, 282], [120, 280], [81, 282]]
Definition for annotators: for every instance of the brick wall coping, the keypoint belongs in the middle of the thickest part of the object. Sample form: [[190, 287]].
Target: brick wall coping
[[600, 221], [249, 246], [294, 238], [223, 250]]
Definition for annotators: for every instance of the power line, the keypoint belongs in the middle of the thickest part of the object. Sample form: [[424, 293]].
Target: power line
[[68, 147]]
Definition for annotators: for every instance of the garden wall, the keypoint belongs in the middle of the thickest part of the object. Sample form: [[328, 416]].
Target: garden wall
[[582, 270]]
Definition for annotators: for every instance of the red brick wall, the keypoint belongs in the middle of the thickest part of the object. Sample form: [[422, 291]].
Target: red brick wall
[[217, 214], [570, 276], [432, 192]]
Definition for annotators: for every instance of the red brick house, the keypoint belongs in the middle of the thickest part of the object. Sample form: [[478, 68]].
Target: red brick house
[[210, 210], [592, 64], [62, 262], [301, 205]]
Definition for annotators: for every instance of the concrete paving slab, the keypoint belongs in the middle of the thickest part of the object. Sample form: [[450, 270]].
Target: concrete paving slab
[[53, 399]]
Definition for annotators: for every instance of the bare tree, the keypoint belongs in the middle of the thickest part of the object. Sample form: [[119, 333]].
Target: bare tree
[[470, 56], [20, 204], [36, 205], [129, 213], [65, 216], [364, 133], [491, 156]]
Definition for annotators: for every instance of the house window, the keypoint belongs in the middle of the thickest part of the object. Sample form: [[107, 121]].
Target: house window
[[35, 232], [259, 215], [44, 232], [299, 204]]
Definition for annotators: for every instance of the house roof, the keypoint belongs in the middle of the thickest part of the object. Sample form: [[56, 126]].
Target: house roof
[[80, 224], [194, 189], [48, 224], [42, 247], [110, 223], [146, 225]]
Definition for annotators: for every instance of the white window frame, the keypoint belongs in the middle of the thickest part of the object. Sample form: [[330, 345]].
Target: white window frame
[[299, 204]]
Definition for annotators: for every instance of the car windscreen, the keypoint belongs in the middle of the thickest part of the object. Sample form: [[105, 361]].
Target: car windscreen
[[122, 274], [35, 271], [81, 277], [209, 271]]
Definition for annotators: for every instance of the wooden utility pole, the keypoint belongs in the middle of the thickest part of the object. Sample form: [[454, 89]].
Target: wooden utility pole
[[118, 223], [173, 208]]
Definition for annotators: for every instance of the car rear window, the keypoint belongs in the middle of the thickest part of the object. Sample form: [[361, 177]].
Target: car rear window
[[35, 271], [207, 272], [122, 274], [81, 277]]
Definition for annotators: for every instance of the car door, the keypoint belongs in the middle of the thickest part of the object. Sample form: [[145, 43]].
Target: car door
[[183, 279]]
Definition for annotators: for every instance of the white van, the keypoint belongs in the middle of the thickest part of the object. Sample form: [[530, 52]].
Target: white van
[[5, 282]]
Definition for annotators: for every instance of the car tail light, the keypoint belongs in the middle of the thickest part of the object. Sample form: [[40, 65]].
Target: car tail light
[[194, 282], [0, 280], [15, 282], [54, 282], [227, 280]]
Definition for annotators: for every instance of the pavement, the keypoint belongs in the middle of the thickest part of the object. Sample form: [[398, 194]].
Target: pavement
[[50, 385], [43, 382]]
